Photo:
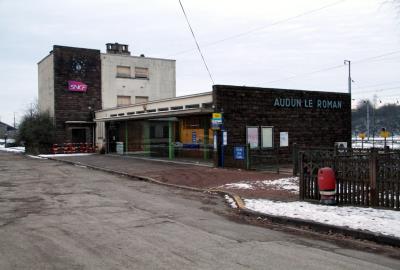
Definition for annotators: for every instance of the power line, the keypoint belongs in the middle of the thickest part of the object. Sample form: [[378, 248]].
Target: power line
[[198, 47], [373, 85], [363, 60], [377, 90], [261, 28]]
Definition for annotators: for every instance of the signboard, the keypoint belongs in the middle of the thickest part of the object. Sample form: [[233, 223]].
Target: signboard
[[252, 136], [267, 137], [308, 103], [238, 152], [120, 148], [215, 125], [362, 135], [283, 139], [194, 137], [216, 121], [224, 138], [75, 86], [217, 116], [384, 134]]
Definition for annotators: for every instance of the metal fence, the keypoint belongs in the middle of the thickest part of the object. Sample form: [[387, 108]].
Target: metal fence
[[363, 177]]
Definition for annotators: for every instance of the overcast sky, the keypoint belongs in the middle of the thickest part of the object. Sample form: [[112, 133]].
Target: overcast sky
[[266, 43]]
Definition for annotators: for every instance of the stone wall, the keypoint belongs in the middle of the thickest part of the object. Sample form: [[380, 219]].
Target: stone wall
[[75, 106], [312, 118]]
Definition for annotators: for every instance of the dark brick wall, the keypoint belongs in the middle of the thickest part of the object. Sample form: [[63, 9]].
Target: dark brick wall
[[75, 106], [307, 126]]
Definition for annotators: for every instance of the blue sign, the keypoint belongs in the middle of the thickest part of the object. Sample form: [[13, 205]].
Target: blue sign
[[238, 152], [194, 138]]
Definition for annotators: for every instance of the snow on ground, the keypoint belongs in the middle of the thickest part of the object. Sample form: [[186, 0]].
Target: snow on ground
[[230, 201], [377, 142], [18, 149], [36, 157], [385, 222], [240, 185], [290, 184]]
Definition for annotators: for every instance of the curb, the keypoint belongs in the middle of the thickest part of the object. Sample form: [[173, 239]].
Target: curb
[[315, 226], [326, 228]]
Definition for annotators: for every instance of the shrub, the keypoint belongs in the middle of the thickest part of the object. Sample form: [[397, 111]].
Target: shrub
[[36, 131]]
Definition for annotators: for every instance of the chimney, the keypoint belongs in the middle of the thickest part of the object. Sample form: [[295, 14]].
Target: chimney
[[116, 48]]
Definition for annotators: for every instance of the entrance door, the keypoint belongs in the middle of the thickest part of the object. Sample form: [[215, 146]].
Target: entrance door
[[78, 135]]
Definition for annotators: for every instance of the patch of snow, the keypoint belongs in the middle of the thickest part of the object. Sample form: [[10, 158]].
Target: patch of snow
[[240, 185], [17, 149], [230, 201], [66, 155], [37, 157], [81, 166], [290, 184], [385, 222]]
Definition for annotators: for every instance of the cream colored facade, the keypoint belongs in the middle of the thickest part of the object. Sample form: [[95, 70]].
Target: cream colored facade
[[184, 105], [46, 85], [159, 84]]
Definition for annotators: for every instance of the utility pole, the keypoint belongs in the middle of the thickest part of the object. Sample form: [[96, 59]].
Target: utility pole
[[14, 119], [368, 118], [373, 121], [349, 79]]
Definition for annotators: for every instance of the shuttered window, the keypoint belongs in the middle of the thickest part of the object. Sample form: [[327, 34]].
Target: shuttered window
[[123, 71], [141, 72], [141, 99], [123, 100]]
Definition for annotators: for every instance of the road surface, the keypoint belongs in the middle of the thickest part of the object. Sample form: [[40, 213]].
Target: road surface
[[59, 216]]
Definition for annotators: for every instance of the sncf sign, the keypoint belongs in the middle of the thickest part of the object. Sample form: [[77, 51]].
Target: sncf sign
[[75, 86]]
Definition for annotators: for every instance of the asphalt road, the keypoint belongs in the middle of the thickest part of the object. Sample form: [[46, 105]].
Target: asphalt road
[[59, 216]]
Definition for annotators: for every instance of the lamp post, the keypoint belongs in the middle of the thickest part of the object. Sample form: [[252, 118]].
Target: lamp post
[[349, 78], [5, 139]]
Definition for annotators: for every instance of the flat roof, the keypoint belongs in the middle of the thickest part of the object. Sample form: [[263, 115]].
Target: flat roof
[[158, 101], [138, 57]]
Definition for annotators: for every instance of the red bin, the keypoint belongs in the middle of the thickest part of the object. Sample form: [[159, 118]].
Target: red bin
[[326, 179], [327, 185]]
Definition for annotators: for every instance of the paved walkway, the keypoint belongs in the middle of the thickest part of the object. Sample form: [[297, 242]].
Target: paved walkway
[[186, 174]]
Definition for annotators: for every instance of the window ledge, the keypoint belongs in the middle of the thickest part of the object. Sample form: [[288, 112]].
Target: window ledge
[[132, 78]]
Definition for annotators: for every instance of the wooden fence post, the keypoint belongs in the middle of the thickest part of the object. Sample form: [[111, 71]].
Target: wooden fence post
[[295, 159], [301, 181], [373, 170]]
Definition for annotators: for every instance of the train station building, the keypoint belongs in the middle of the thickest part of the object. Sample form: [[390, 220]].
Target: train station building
[[127, 105], [254, 121]]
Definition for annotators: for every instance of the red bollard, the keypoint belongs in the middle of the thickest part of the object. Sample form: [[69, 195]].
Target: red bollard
[[327, 185]]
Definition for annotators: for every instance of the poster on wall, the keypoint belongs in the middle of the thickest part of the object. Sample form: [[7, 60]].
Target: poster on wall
[[267, 137], [252, 137], [284, 139], [224, 137]]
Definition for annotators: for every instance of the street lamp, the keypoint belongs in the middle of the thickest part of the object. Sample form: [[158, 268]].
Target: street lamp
[[5, 139], [349, 79]]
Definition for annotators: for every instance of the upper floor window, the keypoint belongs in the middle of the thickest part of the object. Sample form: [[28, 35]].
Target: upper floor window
[[123, 71], [141, 72], [141, 99], [123, 100]]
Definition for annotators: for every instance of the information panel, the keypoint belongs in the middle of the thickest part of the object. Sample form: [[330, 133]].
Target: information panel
[[252, 137]]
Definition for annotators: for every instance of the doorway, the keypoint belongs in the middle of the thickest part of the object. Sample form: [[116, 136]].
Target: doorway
[[78, 135]]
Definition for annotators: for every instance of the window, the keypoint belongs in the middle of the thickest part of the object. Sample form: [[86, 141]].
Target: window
[[267, 137], [252, 137], [123, 100], [142, 73], [141, 99], [123, 71]]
